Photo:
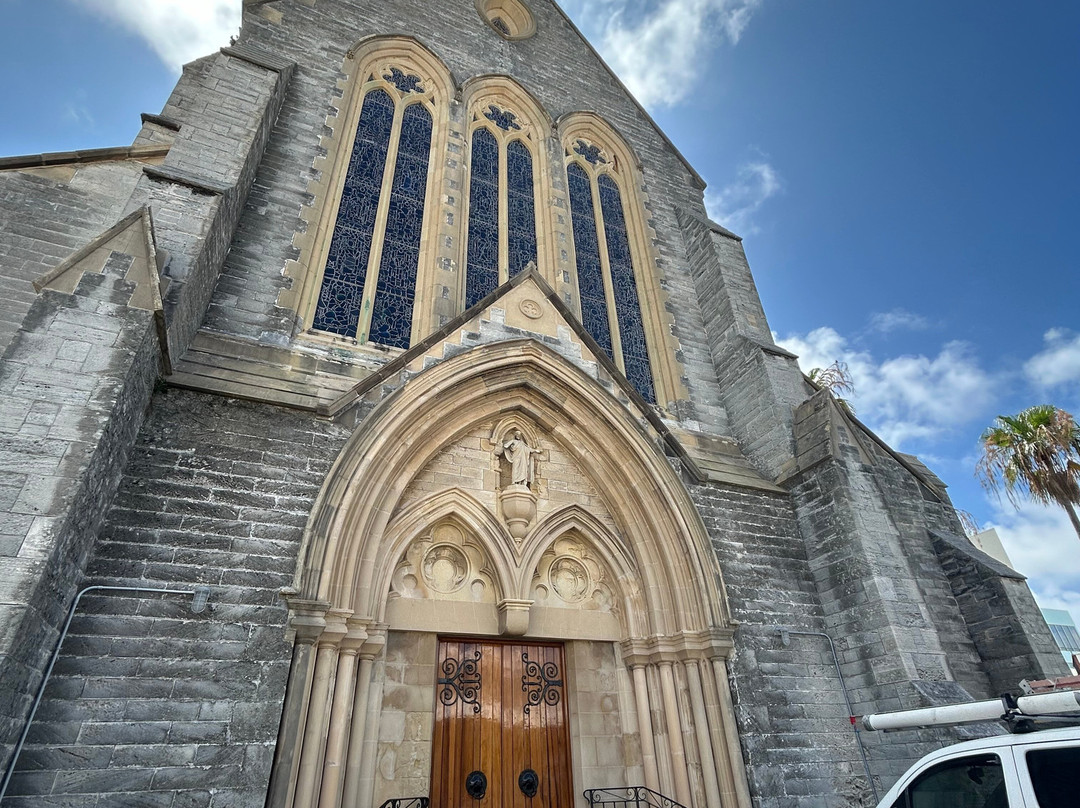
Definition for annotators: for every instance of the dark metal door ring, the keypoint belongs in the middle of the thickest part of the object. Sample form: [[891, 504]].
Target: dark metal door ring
[[528, 782], [476, 785]]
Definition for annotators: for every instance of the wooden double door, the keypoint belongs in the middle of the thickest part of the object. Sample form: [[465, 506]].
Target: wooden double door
[[501, 737]]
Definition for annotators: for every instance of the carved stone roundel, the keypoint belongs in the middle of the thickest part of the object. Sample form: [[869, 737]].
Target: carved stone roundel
[[531, 309], [445, 568], [570, 579]]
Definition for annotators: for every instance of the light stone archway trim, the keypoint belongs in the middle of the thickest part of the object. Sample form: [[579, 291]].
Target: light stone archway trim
[[675, 643]]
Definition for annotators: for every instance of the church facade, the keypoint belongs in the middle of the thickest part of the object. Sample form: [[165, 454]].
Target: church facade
[[390, 421]]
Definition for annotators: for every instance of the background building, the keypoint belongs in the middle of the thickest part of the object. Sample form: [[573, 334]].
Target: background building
[[402, 330], [1065, 634]]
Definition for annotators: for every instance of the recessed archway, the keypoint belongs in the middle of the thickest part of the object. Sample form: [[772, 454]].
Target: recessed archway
[[648, 547]]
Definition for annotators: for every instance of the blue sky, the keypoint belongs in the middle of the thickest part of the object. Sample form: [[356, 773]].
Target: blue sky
[[905, 176]]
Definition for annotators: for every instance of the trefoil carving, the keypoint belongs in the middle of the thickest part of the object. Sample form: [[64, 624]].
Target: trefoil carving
[[590, 152], [405, 82]]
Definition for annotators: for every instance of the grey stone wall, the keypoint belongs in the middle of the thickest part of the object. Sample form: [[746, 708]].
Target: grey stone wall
[[796, 738], [1002, 617], [760, 384], [226, 105], [48, 214], [74, 381], [150, 704]]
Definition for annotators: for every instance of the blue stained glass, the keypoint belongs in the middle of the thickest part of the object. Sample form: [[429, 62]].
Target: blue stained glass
[[482, 261], [338, 308], [627, 306], [594, 311], [504, 119], [391, 315], [521, 210], [405, 83], [589, 152]]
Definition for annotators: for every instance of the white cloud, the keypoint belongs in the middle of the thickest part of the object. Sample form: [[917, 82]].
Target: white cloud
[[1043, 546], [885, 322], [658, 49], [76, 113], [903, 398], [177, 30], [1058, 364], [735, 205]]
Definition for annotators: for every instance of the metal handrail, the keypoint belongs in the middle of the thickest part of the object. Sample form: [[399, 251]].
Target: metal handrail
[[199, 594], [407, 802], [627, 796]]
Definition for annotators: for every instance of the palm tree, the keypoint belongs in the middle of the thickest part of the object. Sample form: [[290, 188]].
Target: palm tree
[[1036, 453], [836, 378]]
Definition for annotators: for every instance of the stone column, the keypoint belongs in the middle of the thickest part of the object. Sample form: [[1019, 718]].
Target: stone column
[[366, 794], [704, 742], [341, 716], [678, 753], [313, 751], [731, 734], [717, 721], [662, 749], [644, 717], [355, 758], [306, 622]]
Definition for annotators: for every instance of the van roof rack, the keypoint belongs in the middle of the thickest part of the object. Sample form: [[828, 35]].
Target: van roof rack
[[1060, 706]]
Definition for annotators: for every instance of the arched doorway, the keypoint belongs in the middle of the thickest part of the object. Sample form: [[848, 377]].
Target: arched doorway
[[505, 498]]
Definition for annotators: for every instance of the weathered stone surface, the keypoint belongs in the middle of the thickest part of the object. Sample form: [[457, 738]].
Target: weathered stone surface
[[151, 704]]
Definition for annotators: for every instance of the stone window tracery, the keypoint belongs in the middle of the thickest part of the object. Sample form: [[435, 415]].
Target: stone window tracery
[[368, 286], [607, 287], [501, 233]]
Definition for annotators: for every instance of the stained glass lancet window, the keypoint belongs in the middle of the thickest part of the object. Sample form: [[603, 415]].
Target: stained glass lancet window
[[391, 316], [482, 267], [594, 310], [353, 264], [627, 306], [502, 195], [338, 309], [521, 210], [602, 246]]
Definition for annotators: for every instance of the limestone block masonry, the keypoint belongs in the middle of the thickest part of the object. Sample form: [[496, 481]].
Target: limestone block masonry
[[357, 508]]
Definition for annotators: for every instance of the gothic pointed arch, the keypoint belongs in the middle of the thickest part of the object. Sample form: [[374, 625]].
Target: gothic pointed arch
[[619, 289], [623, 565], [507, 221], [451, 505], [615, 568], [658, 521], [368, 247]]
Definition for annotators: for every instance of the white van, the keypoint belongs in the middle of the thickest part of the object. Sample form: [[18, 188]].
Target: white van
[[1029, 768], [1034, 770]]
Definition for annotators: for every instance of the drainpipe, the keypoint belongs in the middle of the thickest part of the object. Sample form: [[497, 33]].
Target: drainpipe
[[200, 595], [785, 634]]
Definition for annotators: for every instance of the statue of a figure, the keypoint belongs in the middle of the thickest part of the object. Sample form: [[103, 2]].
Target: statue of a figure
[[520, 456]]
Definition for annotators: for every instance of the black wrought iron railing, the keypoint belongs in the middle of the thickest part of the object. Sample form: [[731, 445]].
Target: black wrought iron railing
[[407, 802], [629, 797]]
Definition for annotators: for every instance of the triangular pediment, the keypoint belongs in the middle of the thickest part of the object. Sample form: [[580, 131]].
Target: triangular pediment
[[127, 247], [525, 307], [126, 250]]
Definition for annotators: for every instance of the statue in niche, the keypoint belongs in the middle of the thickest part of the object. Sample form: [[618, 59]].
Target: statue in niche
[[520, 456]]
